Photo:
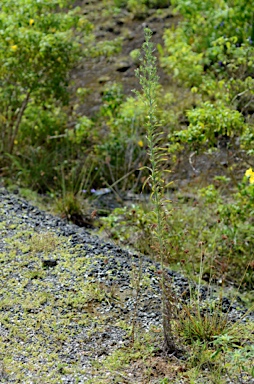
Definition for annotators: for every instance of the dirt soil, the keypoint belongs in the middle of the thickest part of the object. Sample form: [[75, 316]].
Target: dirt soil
[[98, 72]]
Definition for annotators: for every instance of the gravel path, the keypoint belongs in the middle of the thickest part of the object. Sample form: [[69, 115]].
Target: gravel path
[[68, 297]]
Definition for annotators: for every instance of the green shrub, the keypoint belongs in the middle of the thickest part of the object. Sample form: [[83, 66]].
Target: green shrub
[[207, 124], [38, 47], [120, 151], [211, 51]]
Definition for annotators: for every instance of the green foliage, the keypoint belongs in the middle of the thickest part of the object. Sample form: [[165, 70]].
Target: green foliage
[[39, 46], [195, 324], [121, 145], [76, 181], [70, 206], [130, 226], [120, 150], [41, 129], [226, 355], [211, 51], [218, 226], [81, 131], [181, 61], [48, 144], [207, 123], [112, 99], [135, 55], [214, 38], [106, 48], [234, 19]]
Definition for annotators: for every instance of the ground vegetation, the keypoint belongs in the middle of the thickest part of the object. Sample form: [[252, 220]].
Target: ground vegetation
[[74, 136]]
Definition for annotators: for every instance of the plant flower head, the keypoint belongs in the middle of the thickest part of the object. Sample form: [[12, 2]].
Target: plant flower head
[[14, 48], [31, 22], [249, 173]]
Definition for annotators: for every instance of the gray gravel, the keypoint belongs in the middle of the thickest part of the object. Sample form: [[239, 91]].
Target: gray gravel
[[108, 264]]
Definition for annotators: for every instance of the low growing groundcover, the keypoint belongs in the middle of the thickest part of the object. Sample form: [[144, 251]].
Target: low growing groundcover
[[74, 309]]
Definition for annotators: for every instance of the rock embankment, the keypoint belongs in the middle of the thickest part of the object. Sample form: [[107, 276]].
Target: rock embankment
[[68, 297]]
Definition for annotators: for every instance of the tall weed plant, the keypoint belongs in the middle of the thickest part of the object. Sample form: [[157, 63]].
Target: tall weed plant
[[149, 81]]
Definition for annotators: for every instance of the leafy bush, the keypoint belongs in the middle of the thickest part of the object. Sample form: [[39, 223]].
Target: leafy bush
[[41, 130], [208, 123], [216, 40], [211, 51], [38, 48], [120, 151]]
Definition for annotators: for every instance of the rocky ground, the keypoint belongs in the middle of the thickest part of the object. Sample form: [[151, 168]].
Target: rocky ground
[[68, 299], [68, 302]]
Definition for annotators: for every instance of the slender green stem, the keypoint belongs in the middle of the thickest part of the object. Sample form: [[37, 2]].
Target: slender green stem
[[148, 78]]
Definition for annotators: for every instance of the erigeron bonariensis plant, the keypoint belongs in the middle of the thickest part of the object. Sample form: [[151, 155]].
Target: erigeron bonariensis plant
[[149, 81]]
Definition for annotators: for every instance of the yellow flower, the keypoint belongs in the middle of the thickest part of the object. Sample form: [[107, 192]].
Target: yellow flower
[[31, 21], [140, 143], [14, 47], [249, 173]]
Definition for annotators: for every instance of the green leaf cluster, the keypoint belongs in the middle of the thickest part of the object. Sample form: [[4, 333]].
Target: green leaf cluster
[[211, 52], [39, 45]]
